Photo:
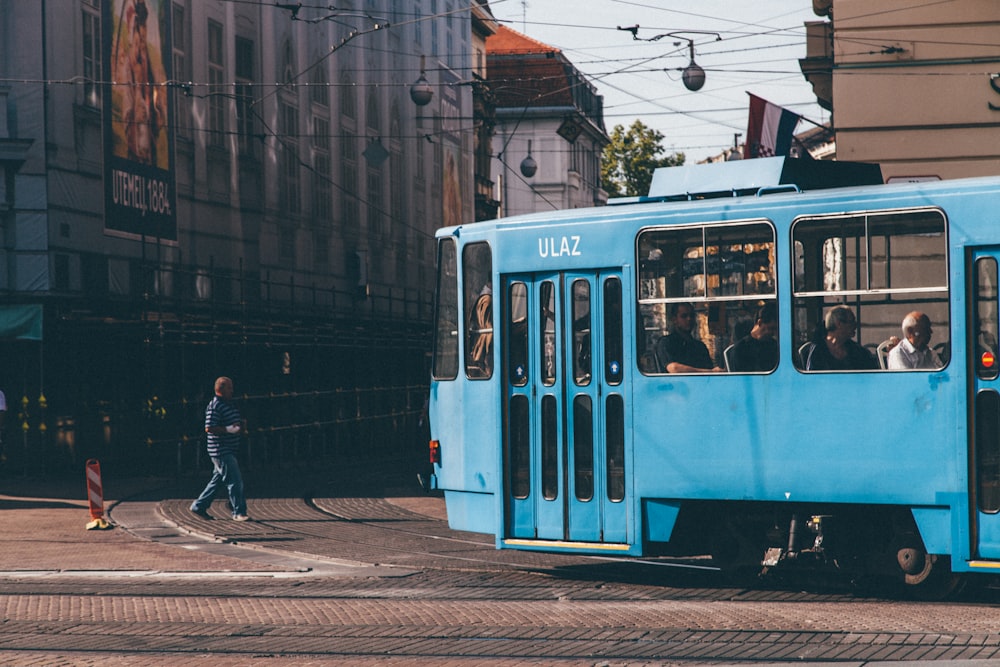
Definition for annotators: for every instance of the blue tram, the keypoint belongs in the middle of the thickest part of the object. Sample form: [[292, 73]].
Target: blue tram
[[557, 425]]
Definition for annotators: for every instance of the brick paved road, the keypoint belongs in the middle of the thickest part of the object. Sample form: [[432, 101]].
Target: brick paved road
[[383, 581], [473, 618]]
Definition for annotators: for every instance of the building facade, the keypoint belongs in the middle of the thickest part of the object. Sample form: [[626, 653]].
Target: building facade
[[195, 188], [914, 88], [549, 117]]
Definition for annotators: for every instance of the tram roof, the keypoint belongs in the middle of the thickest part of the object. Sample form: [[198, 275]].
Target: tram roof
[[748, 177], [781, 178]]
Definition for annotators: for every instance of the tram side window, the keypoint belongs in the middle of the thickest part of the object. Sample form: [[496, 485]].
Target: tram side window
[[866, 283], [613, 344], [724, 271], [987, 426], [477, 285], [445, 365], [986, 329], [582, 354], [517, 333]]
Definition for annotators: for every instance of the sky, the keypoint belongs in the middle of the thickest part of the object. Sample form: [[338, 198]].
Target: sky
[[760, 46]]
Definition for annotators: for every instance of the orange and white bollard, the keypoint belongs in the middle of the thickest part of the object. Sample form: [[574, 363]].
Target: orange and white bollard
[[95, 496]]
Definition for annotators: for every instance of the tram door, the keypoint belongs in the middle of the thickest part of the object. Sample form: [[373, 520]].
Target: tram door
[[564, 407], [984, 449]]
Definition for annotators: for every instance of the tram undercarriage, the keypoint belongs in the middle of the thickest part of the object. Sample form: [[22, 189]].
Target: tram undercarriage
[[870, 546]]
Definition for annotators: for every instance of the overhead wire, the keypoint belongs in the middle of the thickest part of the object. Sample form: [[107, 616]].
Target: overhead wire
[[628, 68], [704, 49]]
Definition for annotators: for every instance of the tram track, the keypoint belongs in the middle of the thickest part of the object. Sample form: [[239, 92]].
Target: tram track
[[370, 535], [377, 531], [487, 541], [389, 537], [454, 626], [462, 602]]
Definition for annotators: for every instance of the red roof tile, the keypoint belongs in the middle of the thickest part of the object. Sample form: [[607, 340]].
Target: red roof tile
[[525, 72], [507, 41]]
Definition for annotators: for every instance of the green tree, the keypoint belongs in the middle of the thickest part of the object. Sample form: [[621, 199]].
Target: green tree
[[632, 157]]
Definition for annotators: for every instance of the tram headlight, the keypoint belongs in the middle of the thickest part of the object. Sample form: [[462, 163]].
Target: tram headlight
[[435, 451]]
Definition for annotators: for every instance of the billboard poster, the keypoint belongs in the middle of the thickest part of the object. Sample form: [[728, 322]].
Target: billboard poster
[[139, 183]]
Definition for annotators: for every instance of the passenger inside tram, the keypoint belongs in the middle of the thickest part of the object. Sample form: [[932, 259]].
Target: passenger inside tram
[[758, 350], [481, 334], [914, 350], [834, 348], [679, 351]]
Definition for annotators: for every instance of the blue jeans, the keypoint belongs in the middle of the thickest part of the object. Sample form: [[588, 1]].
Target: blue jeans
[[227, 471]]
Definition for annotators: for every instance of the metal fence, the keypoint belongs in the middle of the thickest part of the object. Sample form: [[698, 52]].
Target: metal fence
[[165, 438]]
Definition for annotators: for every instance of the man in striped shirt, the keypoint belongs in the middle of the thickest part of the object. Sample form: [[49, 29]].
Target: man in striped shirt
[[224, 427]]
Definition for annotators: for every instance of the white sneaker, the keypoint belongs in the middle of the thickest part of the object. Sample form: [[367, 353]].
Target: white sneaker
[[241, 517]]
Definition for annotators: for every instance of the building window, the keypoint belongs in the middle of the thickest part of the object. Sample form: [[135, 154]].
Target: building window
[[288, 65], [216, 86], [61, 278], [419, 179], [321, 133], [372, 115], [92, 72], [319, 89], [246, 119], [449, 40], [94, 274], [321, 191], [289, 199], [349, 196], [202, 285], [434, 27], [418, 29], [376, 216], [438, 161], [576, 158], [286, 242], [181, 73], [399, 217], [163, 281], [321, 249], [348, 100], [480, 62]]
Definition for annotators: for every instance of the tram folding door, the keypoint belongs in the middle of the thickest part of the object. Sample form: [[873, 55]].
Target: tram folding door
[[564, 408], [984, 449]]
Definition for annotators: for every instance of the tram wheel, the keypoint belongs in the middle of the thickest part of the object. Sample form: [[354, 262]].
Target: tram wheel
[[928, 576]]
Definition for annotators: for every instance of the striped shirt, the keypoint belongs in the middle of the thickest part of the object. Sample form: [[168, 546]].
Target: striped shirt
[[221, 413]]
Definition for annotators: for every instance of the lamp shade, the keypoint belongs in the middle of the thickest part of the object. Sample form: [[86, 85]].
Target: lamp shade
[[693, 77], [528, 167], [421, 92]]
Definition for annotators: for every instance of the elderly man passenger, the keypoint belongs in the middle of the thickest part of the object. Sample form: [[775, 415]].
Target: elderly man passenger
[[913, 351]]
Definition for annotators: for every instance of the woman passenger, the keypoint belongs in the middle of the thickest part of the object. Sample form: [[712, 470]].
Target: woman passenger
[[836, 349]]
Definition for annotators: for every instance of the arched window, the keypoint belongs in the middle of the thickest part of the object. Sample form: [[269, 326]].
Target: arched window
[[287, 63]]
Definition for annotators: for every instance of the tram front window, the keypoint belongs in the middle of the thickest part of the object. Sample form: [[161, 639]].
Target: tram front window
[[446, 313]]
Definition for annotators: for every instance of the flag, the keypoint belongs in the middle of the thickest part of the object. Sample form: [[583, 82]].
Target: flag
[[769, 130]]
